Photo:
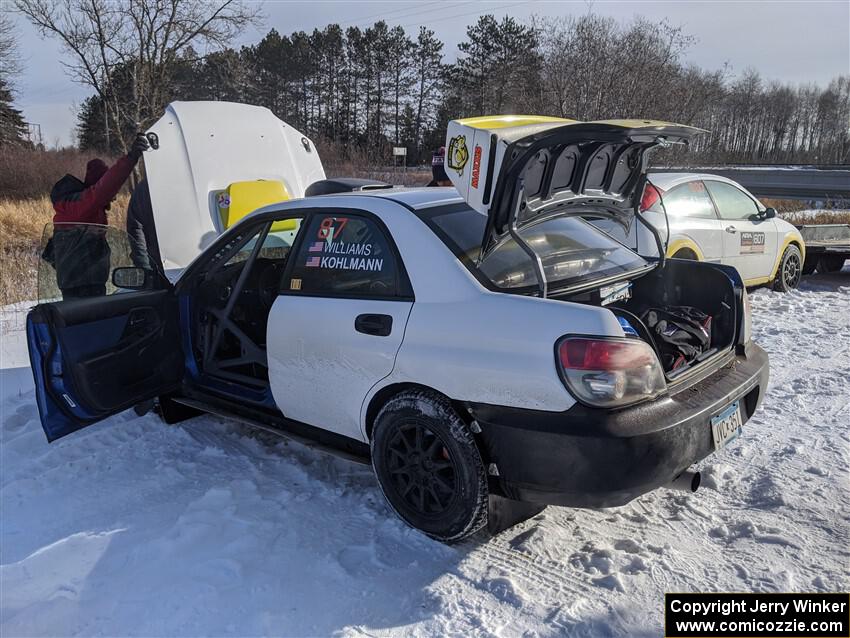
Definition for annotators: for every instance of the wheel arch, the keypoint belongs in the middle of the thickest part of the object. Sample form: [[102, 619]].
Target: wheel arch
[[685, 253], [685, 244], [383, 395], [789, 240]]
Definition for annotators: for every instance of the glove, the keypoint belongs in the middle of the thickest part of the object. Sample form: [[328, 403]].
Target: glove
[[140, 145]]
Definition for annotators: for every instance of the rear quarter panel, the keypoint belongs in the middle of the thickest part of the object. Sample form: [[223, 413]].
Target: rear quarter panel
[[472, 344], [495, 348]]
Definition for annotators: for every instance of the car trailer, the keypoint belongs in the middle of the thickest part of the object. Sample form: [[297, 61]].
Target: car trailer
[[827, 247]]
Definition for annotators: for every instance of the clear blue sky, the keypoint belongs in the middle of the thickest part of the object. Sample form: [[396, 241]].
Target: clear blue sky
[[797, 41]]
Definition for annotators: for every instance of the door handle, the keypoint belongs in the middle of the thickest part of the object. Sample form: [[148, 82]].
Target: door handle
[[377, 325], [141, 323], [731, 229]]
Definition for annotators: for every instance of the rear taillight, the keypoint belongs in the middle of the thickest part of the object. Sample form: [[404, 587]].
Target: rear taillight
[[610, 372], [651, 196]]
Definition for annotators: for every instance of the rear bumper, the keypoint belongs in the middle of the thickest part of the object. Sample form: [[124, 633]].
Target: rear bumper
[[592, 457]]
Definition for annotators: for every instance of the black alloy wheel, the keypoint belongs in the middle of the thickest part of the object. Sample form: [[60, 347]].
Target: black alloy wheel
[[422, 471], [429, 467]]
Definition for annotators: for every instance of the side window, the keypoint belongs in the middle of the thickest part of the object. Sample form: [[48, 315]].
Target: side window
[[344, 255], [731, 202], [278, 241], [688, 200]]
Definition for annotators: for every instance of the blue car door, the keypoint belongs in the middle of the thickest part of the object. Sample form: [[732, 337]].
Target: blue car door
[[94, 357], [107, 335]]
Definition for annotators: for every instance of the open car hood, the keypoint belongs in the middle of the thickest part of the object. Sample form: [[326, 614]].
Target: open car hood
[[520, 169], [216, 162]]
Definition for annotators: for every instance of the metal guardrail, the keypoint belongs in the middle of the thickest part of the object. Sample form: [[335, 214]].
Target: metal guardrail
[[787, 182]]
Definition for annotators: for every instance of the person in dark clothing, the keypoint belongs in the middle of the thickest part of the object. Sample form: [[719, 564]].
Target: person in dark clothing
[[144, 246], [79, 250], [438, 169]]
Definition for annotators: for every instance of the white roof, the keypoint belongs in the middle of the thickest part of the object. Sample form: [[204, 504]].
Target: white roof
[[666, 181], [417, 198]]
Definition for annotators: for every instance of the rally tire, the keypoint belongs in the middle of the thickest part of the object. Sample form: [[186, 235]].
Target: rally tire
[[790, 270], [429, 467]]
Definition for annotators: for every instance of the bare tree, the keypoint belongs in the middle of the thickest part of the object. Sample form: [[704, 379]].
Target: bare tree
[[138, 41], [9, 61]]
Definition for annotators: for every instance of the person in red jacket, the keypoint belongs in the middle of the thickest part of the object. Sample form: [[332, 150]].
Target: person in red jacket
[[80, 250]]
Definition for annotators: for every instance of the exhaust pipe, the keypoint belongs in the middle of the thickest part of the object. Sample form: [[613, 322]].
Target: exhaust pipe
[[687, 481]]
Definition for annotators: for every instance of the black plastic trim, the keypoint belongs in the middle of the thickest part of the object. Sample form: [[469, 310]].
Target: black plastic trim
[[491, 160], [274, 421]]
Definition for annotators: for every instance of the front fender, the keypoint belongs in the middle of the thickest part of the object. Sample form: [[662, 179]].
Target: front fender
[[791, 236]]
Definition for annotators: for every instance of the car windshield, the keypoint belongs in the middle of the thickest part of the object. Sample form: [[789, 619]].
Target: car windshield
[[571, 250]]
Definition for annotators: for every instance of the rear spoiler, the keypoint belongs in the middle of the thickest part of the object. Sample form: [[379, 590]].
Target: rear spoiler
[[344, 185]]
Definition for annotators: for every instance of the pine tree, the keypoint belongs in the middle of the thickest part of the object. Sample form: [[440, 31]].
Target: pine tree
[[499, 68], [428, 76], [92, 132], [13, 129]]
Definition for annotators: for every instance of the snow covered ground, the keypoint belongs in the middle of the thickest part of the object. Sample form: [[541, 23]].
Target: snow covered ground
[[132, 527]]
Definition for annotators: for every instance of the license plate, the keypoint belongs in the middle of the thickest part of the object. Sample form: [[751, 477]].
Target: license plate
[[726, 426], [617, 292]]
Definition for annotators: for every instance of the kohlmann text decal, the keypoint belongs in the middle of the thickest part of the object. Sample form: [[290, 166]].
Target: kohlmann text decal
[[757, 615]]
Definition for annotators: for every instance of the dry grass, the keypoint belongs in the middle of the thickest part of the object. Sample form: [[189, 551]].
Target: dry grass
[[22, 225], [819, 217], [789, 206], [782, 206]]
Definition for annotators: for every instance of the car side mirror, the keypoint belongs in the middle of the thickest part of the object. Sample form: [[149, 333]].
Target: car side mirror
[[131, 277], [768, 213]]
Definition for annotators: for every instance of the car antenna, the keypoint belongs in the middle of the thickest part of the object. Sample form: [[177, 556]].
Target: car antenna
[[514, 232]]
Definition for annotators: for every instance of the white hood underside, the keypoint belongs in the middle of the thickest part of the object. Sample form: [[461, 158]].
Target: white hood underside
[[203, 148]]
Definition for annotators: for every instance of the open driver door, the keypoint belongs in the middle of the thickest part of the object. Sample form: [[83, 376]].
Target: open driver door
[[94, 356]]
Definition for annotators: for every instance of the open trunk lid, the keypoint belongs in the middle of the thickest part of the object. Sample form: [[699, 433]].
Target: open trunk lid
[[216, 162], [519, 170]]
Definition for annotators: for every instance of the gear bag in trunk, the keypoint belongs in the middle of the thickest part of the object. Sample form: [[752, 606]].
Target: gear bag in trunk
[[682, 333]]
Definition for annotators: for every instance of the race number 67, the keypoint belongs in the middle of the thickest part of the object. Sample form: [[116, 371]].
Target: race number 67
[[327, 229]]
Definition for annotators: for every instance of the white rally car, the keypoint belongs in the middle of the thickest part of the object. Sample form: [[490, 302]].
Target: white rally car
[[478, 349], [712, 218]]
